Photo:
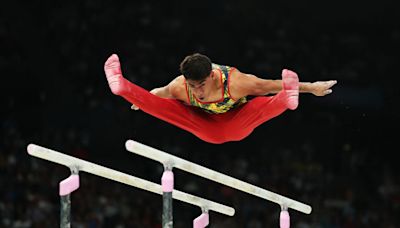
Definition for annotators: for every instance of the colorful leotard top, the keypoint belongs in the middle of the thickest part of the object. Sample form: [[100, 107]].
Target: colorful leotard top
[[226, 102]]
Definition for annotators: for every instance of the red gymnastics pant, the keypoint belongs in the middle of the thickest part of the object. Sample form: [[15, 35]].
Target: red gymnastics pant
[[234, 125]]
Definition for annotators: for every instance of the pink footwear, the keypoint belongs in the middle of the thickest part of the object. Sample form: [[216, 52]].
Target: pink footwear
[[112, 68], [291, 86]]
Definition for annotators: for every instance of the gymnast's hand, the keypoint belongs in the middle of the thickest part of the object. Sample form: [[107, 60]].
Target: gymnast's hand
[[322, 88], [134, 107]]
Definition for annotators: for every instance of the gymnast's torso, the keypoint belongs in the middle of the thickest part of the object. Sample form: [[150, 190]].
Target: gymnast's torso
[[219, 101], [226, 101]]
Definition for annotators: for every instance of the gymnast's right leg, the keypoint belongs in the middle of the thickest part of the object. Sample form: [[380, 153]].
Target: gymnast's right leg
[[170, 110], [167, 109]]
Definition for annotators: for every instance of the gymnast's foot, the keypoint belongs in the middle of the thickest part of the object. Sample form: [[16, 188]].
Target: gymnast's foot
[[291, 86], [112, 68]]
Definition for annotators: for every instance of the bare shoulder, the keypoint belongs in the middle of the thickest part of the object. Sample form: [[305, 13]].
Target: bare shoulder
[[242, 84], [177, 83], [237, 81], [238, 78], [177, 88]]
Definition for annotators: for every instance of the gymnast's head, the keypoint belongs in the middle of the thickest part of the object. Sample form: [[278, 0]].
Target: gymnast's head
[[197, 70]]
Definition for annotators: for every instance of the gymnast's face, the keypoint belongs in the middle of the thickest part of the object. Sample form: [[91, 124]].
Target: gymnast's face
[[202, 89]]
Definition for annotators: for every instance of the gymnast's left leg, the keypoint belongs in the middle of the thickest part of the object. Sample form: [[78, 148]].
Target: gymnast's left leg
[[239, 123]]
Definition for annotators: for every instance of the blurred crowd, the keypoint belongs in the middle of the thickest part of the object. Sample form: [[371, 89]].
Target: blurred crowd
[[333, 153]]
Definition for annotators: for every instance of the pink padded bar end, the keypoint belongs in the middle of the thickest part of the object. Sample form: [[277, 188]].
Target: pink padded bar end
[[284, 219], [201, 221], [69, 185], [167, 181]]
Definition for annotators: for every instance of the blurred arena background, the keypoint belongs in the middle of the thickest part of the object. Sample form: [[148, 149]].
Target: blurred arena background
[[336, 153]]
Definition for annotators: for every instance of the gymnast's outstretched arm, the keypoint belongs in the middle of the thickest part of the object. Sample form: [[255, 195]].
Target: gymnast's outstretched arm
[[243, 84]]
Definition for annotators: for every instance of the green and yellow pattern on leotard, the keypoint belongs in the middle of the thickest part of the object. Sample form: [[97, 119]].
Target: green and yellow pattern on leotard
[[227, 102]]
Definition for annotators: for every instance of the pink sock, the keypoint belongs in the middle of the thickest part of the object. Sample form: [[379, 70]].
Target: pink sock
[[112, 69], [291, 86]]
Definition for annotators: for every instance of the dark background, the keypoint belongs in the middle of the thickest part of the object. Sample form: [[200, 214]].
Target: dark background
[[336, 153]]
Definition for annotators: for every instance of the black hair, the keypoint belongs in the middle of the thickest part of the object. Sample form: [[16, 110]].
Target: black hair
[[196, 67]]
